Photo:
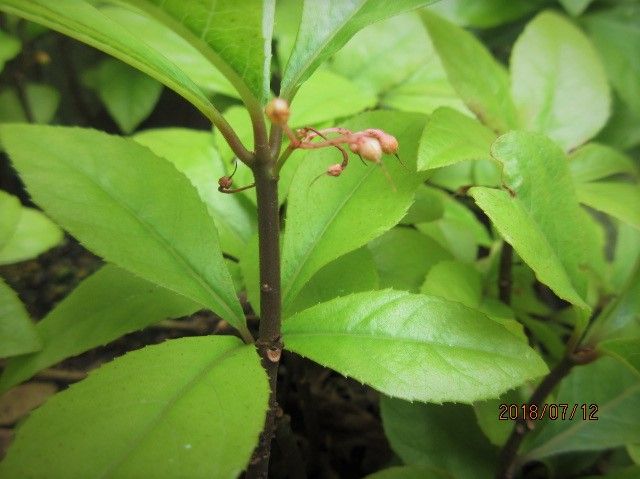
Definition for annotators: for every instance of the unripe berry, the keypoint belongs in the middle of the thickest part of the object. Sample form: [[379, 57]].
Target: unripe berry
[[368, 148], [388, 142], [225, 182], [335, 170], [278, 111]]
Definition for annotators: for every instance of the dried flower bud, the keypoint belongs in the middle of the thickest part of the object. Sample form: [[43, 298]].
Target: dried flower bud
[[278, 111], [225, 182], [388, 142], [335, 170], [368, 148]]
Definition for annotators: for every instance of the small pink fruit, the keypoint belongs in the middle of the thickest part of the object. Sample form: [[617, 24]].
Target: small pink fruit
[[335, 170], [368, 148], [388, 142], [278, 111], [225, 182]]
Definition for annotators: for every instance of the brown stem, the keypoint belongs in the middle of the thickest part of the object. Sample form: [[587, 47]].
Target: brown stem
[[504, 275], [269, 343]]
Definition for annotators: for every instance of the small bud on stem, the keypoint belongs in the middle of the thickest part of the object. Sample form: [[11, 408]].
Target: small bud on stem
[[278, 111]]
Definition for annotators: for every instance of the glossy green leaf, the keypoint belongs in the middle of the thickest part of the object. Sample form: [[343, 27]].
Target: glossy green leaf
[[543, 221], [325, 220], [172, 46], [326, 26], [161, 232], [558, 82], [43, 102], [107, 305], [409, 472], [17, 333], [190, 407], [413, 346], [352, 273], [484, 14], [594, 161], [128, 94], [193, 153], [451, 136], [84, 22], [616, 393], [403, 256], [34, 234], [234, 36], [454, 281], [620, 200], [10, 46], [626, 350], [10, 211], [444, 437], [616, 35], [478, 78]]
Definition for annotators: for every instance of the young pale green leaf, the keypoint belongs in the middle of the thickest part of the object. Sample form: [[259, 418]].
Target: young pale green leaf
[[484, 14], [104, 307], [193, 153], [352, 273], [413, 346], [10, 46], [326, 26], [409, 472], [129, 206], [614, 398], [450, 137], [128, 94], [403, 256], [594, 161], [478, 78], [626, 350], [543, 221], [325, 219], [190, 407], [558, 82], [620, 200], [616, 35], [33, 234], [10, 211], [17, 333], [454, 281], [444, 437], [43, 101], [234, 36], [175, 48], [82, 21]]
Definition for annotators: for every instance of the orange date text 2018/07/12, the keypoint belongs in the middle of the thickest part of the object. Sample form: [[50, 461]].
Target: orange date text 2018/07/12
[[554, 412]]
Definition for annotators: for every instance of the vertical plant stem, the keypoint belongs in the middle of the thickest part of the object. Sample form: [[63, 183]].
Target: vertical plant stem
[[504, 275], [269, 343]]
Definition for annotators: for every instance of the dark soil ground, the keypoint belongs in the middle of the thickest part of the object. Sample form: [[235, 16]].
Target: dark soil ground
[[333, 421]]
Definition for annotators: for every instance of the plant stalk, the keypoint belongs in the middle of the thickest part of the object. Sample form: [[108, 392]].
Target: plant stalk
[[504, 275], [269, 342]]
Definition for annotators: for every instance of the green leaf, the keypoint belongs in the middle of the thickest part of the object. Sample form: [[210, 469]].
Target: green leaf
[[623, 129], [43, 101], [10, 46], [616, 393], [575, 7], [444, 437], [409, 472], [234, 36], [325, 220], [454, 281], [413, 346], [34, 234], [450, 137], [128, 94], [427, 206], [558, 82], [193, 153], [631, 472], [616, 35], [478, 78], [172, 46], [82, 21], [325, 27], [594, 161], [352, 273], [488, 416], [484, 14], [543, 222], [10, 209], [107, 305], [190, 407], [626, 350], [403, 256], [620, 200], [626, 254], [17, 333], [129, 206]]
